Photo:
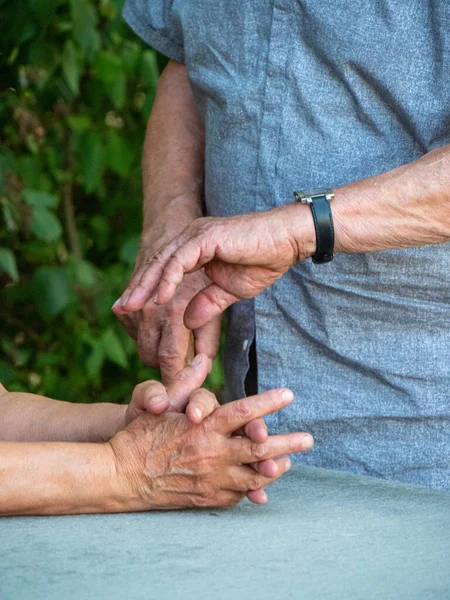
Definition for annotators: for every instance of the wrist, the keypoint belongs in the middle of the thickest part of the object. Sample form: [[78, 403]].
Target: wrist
[[170, 219], [300, 230]]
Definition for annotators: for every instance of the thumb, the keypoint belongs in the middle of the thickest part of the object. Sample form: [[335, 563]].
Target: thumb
[[207, 304], [186, 381]]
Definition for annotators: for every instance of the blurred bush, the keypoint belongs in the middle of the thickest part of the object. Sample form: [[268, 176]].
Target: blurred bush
[[77, 89]]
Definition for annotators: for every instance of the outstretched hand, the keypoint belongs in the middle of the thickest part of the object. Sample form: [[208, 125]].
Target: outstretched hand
[[242, 256]]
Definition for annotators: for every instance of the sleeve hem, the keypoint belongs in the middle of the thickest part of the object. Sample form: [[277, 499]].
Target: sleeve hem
[[152, 37]]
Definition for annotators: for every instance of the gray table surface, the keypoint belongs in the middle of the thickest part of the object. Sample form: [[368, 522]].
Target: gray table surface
[[323, 535]]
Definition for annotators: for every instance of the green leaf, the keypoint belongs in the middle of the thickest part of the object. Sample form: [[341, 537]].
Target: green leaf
[[107, 67], [92, 161], [116, 90], [8, 263], [113, 348], [44, 10], [84, 18], [129, 250], [39, 199], [7, 372], [45, 225], [52, 291], [79, 123], [84, 274], [120, 155], [149, 69], [96, 358], [72, 66]]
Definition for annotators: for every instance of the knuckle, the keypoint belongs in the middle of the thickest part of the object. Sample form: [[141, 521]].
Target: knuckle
[[243, 410], [156, 258], [168, 356], [254, 482], [154, 388], [259, 451]]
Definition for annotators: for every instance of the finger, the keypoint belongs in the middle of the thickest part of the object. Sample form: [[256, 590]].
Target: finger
[[202, 403], [255, 430], [187, 381], [232, 416], [244, 478], [150, 276], [128, 324], [268, 468], [257, 496], [173, 349], [148, 340], [245, 451], [207, 338], [149, 396], [207, 304], [117, 307], [189, 257]]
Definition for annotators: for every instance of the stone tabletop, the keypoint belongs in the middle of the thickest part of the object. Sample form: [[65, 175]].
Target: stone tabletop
[[323, 535]]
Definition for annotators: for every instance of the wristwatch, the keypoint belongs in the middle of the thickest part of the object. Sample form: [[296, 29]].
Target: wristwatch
[[319, 201]]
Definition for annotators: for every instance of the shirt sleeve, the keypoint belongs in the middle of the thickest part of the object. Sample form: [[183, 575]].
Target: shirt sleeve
[[154, 22]]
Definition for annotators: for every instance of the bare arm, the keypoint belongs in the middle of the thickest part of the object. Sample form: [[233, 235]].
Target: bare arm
[[173, 169], [407, 206], [146, 466], [173, 159], [30, 417]]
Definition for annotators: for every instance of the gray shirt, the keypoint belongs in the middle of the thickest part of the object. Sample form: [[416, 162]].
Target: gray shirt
[[298, 94]]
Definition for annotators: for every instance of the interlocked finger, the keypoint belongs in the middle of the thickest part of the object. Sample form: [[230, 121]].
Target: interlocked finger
[[245, 451]]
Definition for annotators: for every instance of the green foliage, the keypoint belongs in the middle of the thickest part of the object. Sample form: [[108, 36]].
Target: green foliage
[[78, 87]]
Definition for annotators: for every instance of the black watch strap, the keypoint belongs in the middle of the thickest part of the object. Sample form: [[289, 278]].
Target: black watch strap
[[323, 222], [319, 201]]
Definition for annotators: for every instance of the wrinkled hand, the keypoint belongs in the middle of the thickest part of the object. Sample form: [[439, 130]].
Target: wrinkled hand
[[162, 339], [183, 395], [242, 256], [168, 462]]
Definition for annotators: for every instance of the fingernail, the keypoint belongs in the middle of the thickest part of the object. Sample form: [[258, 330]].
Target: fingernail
[[124, 300], [210, 365], [308, 441], [197, 414], [287, 464], [155, 298], [197, 360], [287, 395], [116, 303]]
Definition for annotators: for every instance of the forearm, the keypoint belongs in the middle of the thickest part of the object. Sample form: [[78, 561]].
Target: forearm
[[59, 478], [173, 160], [408, 206], [30, 417]]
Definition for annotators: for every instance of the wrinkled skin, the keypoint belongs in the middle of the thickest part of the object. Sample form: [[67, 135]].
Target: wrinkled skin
[[170, 462], [242, 256], [155, 398], [162, 339]]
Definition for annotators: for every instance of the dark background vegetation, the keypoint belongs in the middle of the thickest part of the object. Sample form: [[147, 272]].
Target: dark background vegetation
[[77, 87]]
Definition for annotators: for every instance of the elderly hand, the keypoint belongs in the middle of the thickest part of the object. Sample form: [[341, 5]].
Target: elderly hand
[[242, 256], [166, 462], [162, 339], [183, 395]]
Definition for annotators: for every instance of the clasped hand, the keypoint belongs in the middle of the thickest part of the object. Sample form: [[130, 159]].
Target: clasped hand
[[166, 461], [241, 256], [199, 405]]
